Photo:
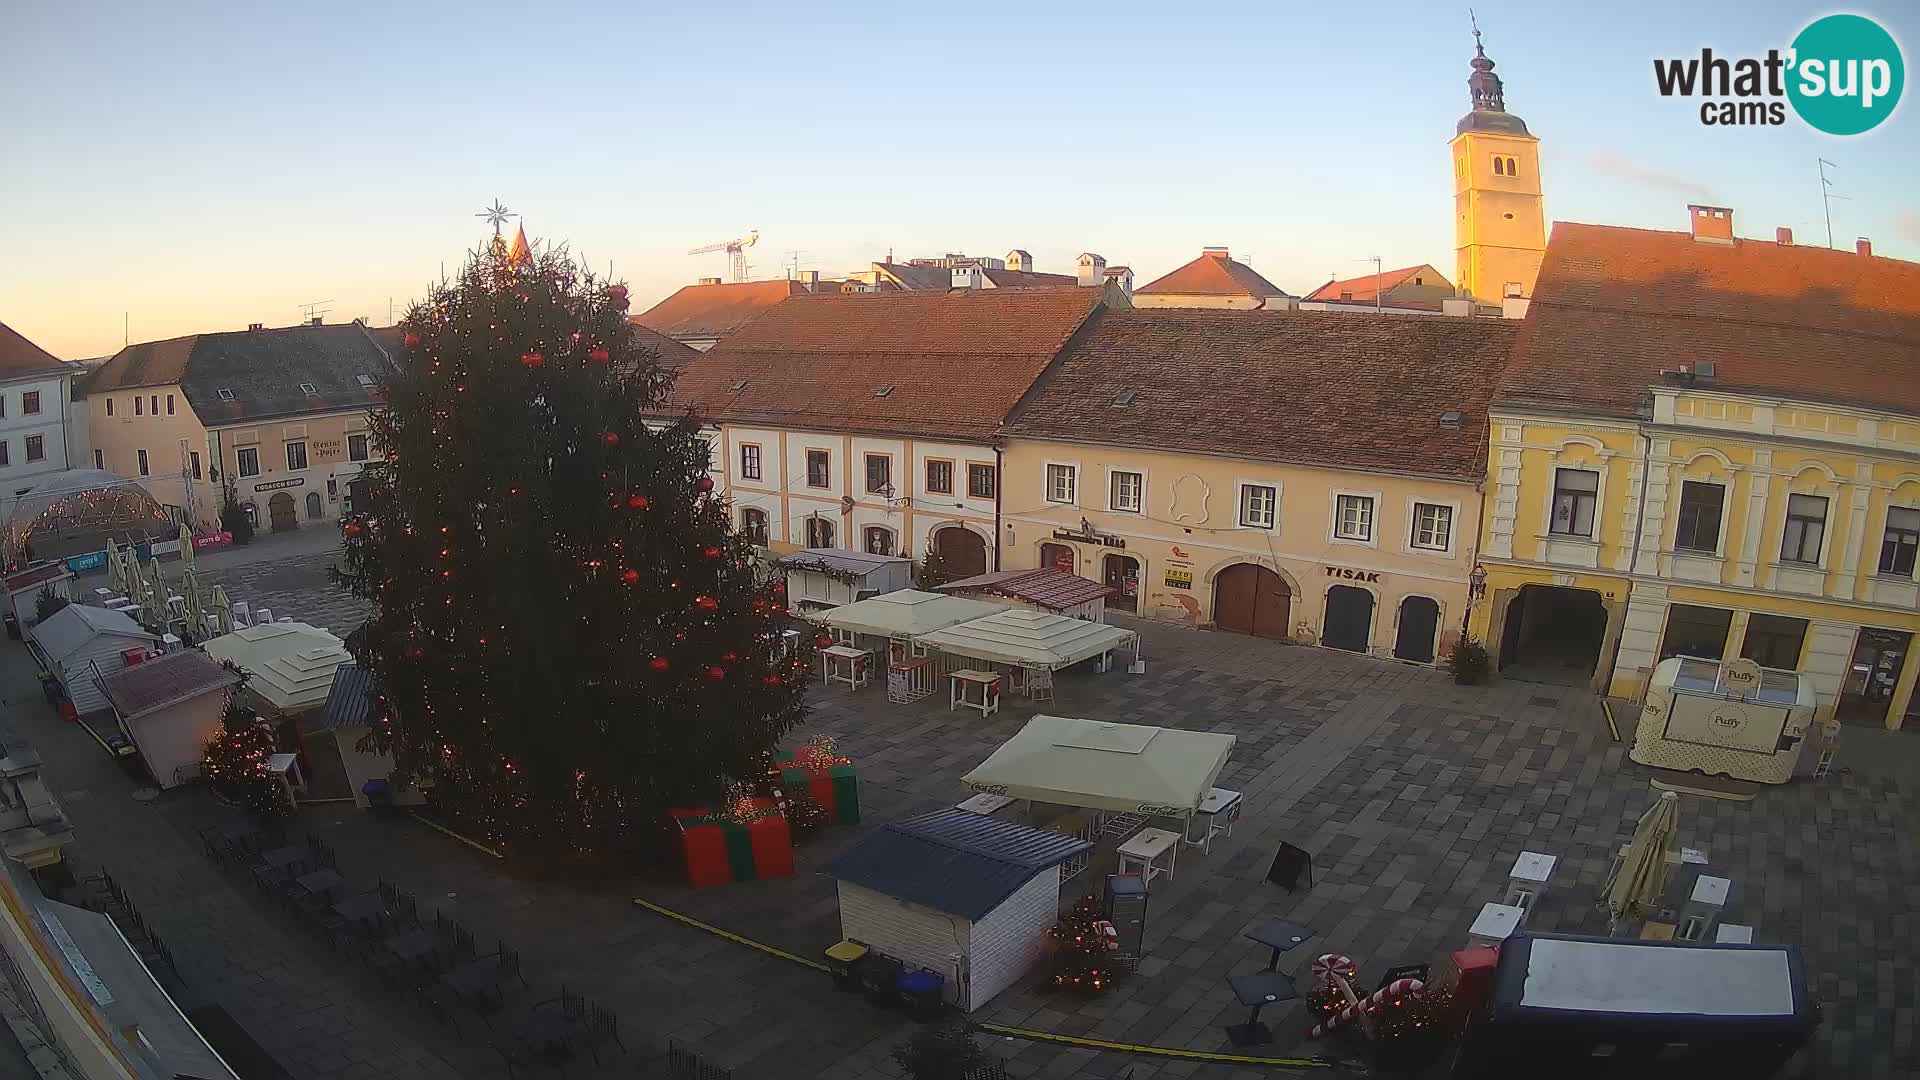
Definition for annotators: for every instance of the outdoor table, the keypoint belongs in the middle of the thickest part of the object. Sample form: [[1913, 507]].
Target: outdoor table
[[319, 882], [1258, 990], [987, 681], [475, 978], [364, 908], [412, 945], [833, 656], [241, 836], [1278, 935], [1217, 814], [985, 805], [1495, 924], [274, 863], [1147, 848]]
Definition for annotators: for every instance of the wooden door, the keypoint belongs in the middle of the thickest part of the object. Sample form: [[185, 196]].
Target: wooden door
[[963, 550], [280, 509], [1249, 599], [1121, 573], [1349, 622], [1419, 618]]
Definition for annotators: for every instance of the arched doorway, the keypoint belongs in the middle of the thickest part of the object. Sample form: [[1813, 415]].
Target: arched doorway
[[313, 506], [1057, 557], [962, 550], [1553, 634], [1349, 622], [1250, 599], [1121, 573], [280, 510], [1419, 618]]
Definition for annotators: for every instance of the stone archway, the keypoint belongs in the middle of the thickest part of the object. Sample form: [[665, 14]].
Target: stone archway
[[1252, 599], [281, 512], [962, 550]]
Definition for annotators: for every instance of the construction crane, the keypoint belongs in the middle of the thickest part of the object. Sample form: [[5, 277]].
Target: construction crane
[[735, 249]]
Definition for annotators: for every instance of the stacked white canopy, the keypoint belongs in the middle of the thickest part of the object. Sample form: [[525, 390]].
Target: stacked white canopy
[[907, 614], [1122, 767], [1029, 639], [291, 664]]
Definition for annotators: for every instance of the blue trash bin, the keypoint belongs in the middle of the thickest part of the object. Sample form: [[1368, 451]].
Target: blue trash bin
[[920, 992]]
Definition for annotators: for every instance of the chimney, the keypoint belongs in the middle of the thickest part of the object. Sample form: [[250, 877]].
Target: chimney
[[1863, 246], [808, 278], [316, 321], [1458, 307], [968, 277], [707, 281], [256, 326], [1214, 252], [1712, 224], [1783, 236]]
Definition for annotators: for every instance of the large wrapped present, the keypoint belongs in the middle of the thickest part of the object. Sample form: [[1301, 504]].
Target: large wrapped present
[[719, 849], [828, 779]]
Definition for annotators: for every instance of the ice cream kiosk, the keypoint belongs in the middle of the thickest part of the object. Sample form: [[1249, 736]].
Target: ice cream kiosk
[[1733, 719]]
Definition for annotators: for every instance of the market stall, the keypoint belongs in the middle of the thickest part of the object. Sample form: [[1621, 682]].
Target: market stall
[[1117, 768], [79, 643], [822, 578], [1732, 719], [900, 619], [1058, 592], [1033, 643], [170, 707], [955, 893]]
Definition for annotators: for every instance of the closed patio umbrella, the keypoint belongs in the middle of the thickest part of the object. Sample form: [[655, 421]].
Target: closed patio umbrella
[[186, 547], [196, 617], [1639, 878], [116, 574], [222, 611]]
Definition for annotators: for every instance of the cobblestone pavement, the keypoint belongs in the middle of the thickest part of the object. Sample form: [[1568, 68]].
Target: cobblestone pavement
[[1414, 796]]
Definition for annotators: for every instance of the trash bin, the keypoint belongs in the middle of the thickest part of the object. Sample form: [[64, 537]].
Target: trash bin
[[841, 960], [880, 978], [920, 993]]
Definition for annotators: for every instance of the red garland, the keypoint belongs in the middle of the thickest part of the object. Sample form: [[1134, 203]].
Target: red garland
[[532, 359]]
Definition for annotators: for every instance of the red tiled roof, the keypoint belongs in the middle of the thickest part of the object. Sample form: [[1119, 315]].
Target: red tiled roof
[[1048, 587], [714, 311], [1363, 288], [1214, 274], [18, 356], [1308, 387], [1613, 307], [957, 361], [673, 354], [150, 363]]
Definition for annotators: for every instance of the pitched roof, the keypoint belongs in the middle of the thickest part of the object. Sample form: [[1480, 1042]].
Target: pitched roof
[[1048, 587], [61, 634], [35, 577], [956, 360], [1214, 273], [167, 680], [673, 353], [1307, 387], [292, 664], [918, 277], [348, 701], [1364, 288], [714, 311], [950, 860], [1025, 279], [262, 370], [1613, 307], [18, 356]]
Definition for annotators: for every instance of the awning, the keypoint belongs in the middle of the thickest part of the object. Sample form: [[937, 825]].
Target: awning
[[1047, 587], [1124, 767], [1030, 639], [908, 613]]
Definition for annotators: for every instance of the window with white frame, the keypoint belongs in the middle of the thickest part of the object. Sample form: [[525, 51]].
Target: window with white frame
[[753, 524], [819, 470], [1806, 528], [1576, 493], [1698, 527], [248, 459], [1061, 483], [36, 448], [297, 455], [1259, 505], [1353, 517], [30, 403], [749, 461], [819, 532], [1125, 491], [1432, 526], [879, 540], [1901, 542]]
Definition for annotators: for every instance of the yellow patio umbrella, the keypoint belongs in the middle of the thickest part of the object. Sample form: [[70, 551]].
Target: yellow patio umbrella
[[1639, 879], [196, 619], [116, 575], [222, 611], [186, 547]]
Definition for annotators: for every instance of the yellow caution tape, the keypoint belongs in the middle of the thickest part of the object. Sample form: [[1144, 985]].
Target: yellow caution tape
[[1011, 1032]]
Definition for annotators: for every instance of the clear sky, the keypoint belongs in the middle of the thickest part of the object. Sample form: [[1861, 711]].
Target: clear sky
[[196, 166]]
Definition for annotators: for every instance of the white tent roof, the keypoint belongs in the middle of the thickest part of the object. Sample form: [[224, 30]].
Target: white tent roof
[[1028, 638], [290, 664], [1126, 767], [64, 632], [908, 613]]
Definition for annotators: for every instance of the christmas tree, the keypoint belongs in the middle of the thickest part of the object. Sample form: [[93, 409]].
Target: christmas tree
[[568, 635], [235, 760], [1083, 945]]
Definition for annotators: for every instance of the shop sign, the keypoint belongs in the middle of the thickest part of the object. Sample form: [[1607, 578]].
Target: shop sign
[[1179, 579], [1089, 536], [326, 450], [1162, 810], [212, 540], [275, 485], [92, 560], [1370, 577], [1733, 725], [1741, 677]]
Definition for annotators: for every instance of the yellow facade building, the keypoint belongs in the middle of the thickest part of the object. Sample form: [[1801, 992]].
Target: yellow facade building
[[1710, 446], [1301, 475], [1500, 232]]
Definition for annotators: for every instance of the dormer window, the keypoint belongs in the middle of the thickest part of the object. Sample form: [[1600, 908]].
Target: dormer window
[[225, 394], [884, 390], [364, 380], [309, 389], [1125, 398]]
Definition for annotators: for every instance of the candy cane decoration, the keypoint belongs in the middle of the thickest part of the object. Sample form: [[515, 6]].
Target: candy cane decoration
[[1327, 965], [1396, 989]]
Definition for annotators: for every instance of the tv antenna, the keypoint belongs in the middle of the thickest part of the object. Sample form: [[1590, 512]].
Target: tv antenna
[[1827, 196], [1377, 273], [309, 311]]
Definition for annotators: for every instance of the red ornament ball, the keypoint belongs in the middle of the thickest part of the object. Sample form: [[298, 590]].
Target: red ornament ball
[[631, 577], [706, 603], [659, 663], [729, 657], [638, 502], [704, 484], [779, 587], [411, 340], [532, 359], [598, 355], [771, 678], [711, 553], [823, 640], [717, 674], [352, 530], [611, 438]]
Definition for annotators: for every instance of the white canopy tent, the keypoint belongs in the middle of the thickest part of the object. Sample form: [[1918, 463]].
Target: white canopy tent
[[1128, 768], [907, 614], [1031, 639]]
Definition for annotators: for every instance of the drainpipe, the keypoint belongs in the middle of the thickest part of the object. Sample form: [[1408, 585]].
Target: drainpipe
[[999, 485], [1479, 537]]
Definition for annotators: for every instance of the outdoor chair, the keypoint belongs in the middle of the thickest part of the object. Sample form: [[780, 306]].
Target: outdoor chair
[[602, 1027], [522, 1052], [389, 893], [406, 911]]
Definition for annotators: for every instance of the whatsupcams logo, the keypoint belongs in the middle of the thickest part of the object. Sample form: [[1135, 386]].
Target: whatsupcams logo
[[1842, 75]]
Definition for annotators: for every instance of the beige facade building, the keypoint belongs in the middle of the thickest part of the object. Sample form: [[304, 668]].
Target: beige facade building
[[1239, 470], [279, 415], [1214, 280]]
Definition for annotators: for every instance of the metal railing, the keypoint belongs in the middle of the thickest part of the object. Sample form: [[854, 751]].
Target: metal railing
[[20, 995]]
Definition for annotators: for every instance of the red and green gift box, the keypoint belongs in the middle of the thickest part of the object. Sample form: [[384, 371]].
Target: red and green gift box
[[834, 787], [720, 850]]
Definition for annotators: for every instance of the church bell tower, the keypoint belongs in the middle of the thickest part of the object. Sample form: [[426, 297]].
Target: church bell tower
[[1500, 228]]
